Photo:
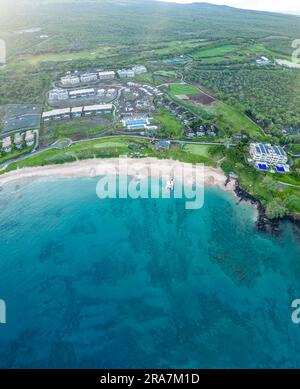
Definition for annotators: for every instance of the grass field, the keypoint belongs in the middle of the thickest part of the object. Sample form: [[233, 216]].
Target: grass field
[[15, 154], [101, 52], [110, 147], [233, 121], [169, 125], [98, 148], [215, 51], [202, 150], [295, 148], [233, 53], [144, 78], [225, 117], [166, 73], [82, 129], [183, 89]]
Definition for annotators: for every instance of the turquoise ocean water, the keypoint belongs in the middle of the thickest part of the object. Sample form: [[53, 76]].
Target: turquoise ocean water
[[142, 283]]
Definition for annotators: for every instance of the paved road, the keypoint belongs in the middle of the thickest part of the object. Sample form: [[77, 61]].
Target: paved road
[[290, 185]]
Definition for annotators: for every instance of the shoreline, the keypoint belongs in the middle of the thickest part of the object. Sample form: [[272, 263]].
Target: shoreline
[[213, 177], [91, 168]]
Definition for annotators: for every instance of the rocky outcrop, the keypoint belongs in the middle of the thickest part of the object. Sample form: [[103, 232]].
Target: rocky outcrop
[[263, 224]]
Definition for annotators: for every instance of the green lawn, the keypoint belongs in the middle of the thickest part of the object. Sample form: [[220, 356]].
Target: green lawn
[[183, 89], [215, 51], [295, 148], [202, 150], [99, 52], [169, 125], [233, 121], [166, 73], [14, 154], [98, 148], [144, 78], [232, 53], [224, 116], [82, 128]]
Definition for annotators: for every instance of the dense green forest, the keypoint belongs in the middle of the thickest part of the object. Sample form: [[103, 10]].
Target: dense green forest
[[79, 25], [46, 38], [270, 96]]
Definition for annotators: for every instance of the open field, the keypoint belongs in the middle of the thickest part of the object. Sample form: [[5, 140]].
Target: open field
[[234, 53], [190, 93], [110, 147], [169, 125], [202, 150], [234, 121], [183, 89], [224, 116], [215, 51], [98, 148], [14, 154], [101, 52], [166, 73], [202, 99], [76, 129]]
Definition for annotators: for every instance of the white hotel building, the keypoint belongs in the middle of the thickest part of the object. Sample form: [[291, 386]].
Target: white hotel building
[[107, 75], [88, 77], [58, 94], [266, 153], [70, 80]]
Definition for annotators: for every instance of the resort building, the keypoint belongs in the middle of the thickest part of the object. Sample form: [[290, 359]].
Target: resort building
[[261, 152], [58, 94], [163, 145], [290, 131], [126, 73], [56, 114], [88, 77], [264, 155], [82, 93], [200, 132], [110, 92], [7, 145], [70, 80], [134, 71], [98, 109], [152, 127], [136, 123], [109, 75], [139, 69], [18, 140], [190, 133], [263, 61], [76, 112], [29, 138], [101, 92]]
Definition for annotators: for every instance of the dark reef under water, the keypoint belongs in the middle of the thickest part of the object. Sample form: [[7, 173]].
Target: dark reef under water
[[143, 283]]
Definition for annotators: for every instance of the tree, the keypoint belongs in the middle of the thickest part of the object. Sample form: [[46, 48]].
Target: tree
[[276, 209], [270, 184]]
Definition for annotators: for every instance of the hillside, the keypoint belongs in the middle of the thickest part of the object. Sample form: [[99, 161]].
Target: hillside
[[79, 25]]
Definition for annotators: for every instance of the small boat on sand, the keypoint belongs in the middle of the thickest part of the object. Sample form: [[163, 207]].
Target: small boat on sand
[[170, 184]]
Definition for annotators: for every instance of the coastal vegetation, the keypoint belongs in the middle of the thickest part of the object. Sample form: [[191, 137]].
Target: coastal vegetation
[[169, 126], [115, 146], [270, 97], [215, 59], [278, 199]]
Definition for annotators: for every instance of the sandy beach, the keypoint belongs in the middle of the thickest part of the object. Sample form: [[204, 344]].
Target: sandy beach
[[139, 168]]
